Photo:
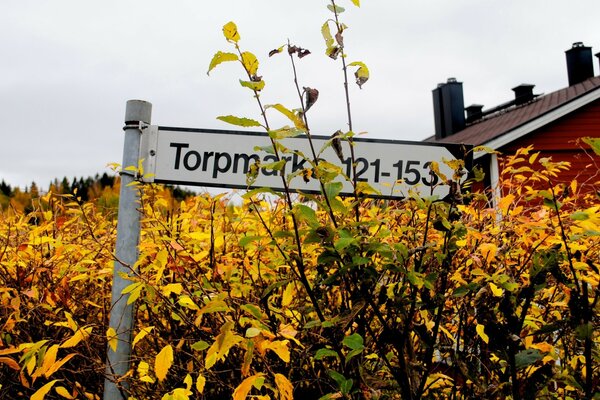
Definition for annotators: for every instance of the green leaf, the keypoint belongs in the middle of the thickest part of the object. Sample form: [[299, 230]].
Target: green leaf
[[246, 240], [527, 357], [464, 289], [335, 9], [580, 216], [285, 132], [256, 86], [252, 310], [275, 166], [230, 32], [322, 353], [352, 354], [354, 341], [254, 192], [266, 149], [312, 324], [307, 214], [246, 122], [326, 32], [337, 377], [584, 331], [332, 189], [343, 243], [346, 386], [200, 345], [219, 58], [594, 143], [327, 172]]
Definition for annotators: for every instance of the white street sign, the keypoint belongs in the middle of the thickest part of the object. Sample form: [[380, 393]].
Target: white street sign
[[204, 157]]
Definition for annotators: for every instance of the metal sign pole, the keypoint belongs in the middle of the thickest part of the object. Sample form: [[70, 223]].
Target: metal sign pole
[[137, 114]]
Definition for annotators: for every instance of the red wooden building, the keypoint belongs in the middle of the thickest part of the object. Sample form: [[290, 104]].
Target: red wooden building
[[553, 123]]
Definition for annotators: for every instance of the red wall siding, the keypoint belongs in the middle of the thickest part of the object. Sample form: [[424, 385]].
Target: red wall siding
[[559, 140]]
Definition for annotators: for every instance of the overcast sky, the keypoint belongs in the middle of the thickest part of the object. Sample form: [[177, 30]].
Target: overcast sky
[[67, 67]]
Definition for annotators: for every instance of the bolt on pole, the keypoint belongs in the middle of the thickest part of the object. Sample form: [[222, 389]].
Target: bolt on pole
[[137, 114]]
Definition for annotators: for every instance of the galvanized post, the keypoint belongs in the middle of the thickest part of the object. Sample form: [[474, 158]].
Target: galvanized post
[[137, 114]]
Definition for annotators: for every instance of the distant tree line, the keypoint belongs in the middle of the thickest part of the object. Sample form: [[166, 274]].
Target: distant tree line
[[102, 189]]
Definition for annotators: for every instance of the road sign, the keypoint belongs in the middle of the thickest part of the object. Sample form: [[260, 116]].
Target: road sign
[[217, 158]]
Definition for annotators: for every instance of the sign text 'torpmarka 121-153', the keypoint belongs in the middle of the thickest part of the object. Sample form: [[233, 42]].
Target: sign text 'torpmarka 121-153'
[[216, 158]]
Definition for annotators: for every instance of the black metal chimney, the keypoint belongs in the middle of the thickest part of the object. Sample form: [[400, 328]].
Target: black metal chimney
[[474, 112], [448, 108], [523, 93], [579, 63]]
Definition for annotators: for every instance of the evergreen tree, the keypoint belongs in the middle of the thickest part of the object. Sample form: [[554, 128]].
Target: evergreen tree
[[5, 188]]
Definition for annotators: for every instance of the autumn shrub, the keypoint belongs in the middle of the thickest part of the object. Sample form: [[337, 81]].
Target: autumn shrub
[[314, 296], [455, 301], [55, 268]]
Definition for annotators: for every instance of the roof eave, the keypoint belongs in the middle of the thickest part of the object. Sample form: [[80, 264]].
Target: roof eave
[[536, 123]]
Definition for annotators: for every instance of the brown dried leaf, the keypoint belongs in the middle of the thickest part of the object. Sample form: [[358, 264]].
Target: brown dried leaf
[[311, 97], [336, 145], [303, 53]]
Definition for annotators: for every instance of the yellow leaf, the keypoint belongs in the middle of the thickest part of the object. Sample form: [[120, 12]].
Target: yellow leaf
[[200, 382], [533, 157], [214, 306], [176, 288], [219, 58], [361, 74], [10, 362], [250, 63], [286, 390], [112, 338], [187, 302], [55, 366], [62, 391], [230, 32], [141, 335], [488, 251], [71, 323], [280, 347], [543, 347], [47, 362], [31, 364], [43, 391], [496, 291], [80, 334], [223, 343], [10, 350], [143, 368], [506, 202], [480, 331], [241, 392], [163, 362], [288, 295], [188, 381], [298, 122]]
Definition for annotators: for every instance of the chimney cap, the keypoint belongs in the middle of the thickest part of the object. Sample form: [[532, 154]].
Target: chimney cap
[[474, 107], [523, 86], [449, 80]]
